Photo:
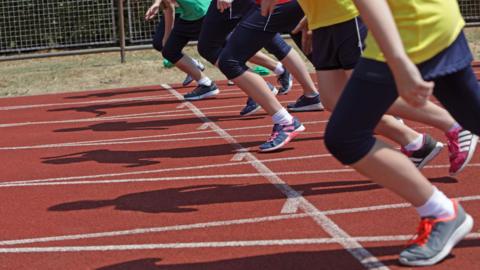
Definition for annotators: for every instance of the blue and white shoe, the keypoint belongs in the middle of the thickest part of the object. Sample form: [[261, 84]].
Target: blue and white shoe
[[306, 104], [285, 80], [281, 135], [188, 80], [202, 91], [251, 107]]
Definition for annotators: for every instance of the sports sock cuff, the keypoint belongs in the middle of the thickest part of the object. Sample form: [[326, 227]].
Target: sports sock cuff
[[279, 70]]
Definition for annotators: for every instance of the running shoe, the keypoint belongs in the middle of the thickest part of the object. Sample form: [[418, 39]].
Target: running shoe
[[436, 237], [251, 107], [305, 104], [281, 135], [429, 150], [461, 146], [202, 91], [285, 81], [188, 80]]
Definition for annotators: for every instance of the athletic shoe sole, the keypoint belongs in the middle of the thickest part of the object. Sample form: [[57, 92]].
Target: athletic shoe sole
[[432, 155], [456, 237], [471, 151], [290, 137], [308, 108], [206, 95]]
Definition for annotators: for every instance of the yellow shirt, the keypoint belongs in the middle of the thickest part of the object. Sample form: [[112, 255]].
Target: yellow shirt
[[321, 13], [426, 26]]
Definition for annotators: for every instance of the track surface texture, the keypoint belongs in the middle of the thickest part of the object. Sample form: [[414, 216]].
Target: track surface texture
[[139, 179]]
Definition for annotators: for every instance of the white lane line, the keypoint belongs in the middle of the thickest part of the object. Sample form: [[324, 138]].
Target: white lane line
[[219, 244], [174, 178], [212, 224], [69, 180], [101, 119], [103, 101], [134, 141], [353, 247], [200, 167]]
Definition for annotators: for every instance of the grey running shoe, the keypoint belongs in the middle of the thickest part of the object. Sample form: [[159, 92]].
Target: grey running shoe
[[202, 91], [436, 238], [430, 149], [306, 104], [188, 79]]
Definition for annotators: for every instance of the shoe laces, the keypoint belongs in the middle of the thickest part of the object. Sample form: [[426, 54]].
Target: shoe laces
[[275, 131], [423, 232]]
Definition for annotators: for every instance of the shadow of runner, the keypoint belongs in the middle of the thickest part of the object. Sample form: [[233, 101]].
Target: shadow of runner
[[100, 109], [185, 199], [154, 124], [118, 92], [328, 259], [148, 157]]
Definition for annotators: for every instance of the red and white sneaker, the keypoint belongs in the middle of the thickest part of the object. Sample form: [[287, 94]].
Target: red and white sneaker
[[461, 145]]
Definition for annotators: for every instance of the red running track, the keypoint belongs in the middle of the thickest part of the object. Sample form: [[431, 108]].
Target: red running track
[[137, 179]]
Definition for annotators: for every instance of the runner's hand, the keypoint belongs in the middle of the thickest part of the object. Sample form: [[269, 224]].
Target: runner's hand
[[153, 10], [410, 84], [222, 5], [268, 6], [302, 26]]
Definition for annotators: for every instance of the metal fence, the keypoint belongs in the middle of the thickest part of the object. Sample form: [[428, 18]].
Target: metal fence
[[27, 25], [140, 31], [38, 27], [470, 11]]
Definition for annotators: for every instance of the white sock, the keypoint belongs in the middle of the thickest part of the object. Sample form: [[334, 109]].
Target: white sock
[[282, 117], [205, 81], [415, 144], [455, 126], [438, 206], [279, 70], [311, 95]]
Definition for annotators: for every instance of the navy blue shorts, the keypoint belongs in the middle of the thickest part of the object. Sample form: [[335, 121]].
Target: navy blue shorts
[[253, 33], [183, 31], [338, 46], [371, 91], [283, 19], [217, 26]]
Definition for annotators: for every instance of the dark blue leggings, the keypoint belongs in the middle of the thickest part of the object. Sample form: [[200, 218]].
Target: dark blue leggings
[[349, 134], [253, 33], [160, 32], [183, 31], [217, 26]]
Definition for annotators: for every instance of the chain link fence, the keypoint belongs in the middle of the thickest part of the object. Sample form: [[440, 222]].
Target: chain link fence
[[40, 26]]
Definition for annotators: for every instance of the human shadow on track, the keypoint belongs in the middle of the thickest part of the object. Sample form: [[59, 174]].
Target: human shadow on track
[[338, 259], [118, 92], [100, 109], [186, 199], [156, 124], [150, 157]]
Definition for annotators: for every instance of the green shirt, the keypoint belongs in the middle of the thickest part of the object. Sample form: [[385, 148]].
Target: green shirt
[[192, 10]]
